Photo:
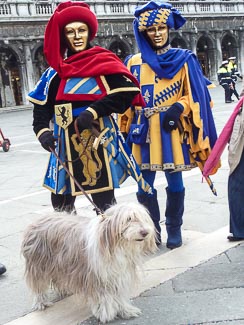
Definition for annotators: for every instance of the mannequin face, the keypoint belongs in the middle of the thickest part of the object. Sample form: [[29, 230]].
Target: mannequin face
[[158, 35], [76, 35]]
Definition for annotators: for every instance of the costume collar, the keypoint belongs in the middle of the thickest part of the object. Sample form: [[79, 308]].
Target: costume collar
[[163, 50], [167, 64], [95, 62]]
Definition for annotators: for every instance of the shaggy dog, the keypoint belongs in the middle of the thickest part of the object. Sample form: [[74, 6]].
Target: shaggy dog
[[95, 258]]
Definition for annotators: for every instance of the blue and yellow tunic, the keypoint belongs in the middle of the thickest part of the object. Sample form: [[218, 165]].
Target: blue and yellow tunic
[[190, 144], [97, 163]]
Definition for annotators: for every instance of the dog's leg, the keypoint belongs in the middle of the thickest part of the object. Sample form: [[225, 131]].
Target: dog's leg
[[39, 287], [106, 309], [110, 307], [41, 302], [127, 310]]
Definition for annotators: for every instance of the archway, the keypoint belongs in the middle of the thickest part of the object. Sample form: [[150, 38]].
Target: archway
[[228, 46], [120, 48], [10, 83], [178, 42], [40, 64], [205, 55]]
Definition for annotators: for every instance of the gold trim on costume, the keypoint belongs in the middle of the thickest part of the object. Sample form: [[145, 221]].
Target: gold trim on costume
[[117, 90], [149, 111], [36, 101], [105, 84], [92, 110], [41, 132], [171, 167]]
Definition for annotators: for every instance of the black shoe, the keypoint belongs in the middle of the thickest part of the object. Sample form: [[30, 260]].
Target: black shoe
[[233, 238], [2, 269], [228, 101]]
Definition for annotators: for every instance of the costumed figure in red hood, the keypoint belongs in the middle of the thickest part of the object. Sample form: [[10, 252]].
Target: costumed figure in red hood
[[175, 130], [84, 83]]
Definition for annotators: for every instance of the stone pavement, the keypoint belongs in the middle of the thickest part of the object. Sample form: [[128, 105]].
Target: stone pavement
[[200, 283], [14, 108], [210, 293]]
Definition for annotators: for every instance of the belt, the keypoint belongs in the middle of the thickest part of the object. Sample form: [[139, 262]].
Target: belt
[[149, 111]]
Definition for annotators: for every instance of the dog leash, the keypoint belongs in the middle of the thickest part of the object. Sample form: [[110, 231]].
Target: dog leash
[[98, 211]]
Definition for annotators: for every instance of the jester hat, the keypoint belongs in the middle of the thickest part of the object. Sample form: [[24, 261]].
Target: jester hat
[[65, 13]]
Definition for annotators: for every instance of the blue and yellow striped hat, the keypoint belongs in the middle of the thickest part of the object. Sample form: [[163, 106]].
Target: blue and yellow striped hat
[[157, 13], [154, 13], [153, 17]]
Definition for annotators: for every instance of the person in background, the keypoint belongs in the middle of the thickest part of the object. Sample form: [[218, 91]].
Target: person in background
[[225, 80], [79, 92], [2, 269], [232, 67], [175, 130]]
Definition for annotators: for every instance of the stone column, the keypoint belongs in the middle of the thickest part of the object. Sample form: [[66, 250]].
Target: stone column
[[134, 46], [218, 49], [24, 83], [213, 65], [193, 43], [30, 83]]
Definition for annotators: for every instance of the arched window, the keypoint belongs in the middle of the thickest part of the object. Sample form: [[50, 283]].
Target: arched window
[[10, 83]]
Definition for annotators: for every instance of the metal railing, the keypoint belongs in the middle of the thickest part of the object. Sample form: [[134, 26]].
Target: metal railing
[[23, 9], [5, 9]]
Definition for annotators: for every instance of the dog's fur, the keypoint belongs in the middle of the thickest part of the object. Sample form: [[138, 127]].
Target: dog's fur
[[96, 258]]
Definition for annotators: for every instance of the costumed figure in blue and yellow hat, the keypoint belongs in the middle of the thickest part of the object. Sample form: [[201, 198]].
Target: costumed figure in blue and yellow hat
[[83, 84], [175, 131]]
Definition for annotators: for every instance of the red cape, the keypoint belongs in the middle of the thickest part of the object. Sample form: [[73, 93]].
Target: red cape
[[94, 62]]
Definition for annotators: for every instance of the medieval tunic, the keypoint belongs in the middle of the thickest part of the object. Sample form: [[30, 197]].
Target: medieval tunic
[[190, 144], [97, 164]]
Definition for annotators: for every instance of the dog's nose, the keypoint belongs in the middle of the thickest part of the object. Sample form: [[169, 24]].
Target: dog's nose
[[144, 233]]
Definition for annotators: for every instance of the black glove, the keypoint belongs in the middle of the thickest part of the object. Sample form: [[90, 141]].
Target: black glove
[[84, 120], [47, 140], [172, 116]]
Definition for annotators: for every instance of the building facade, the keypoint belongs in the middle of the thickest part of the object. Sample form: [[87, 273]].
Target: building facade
[[214, 31]]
